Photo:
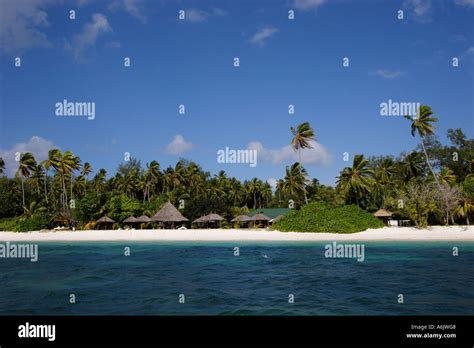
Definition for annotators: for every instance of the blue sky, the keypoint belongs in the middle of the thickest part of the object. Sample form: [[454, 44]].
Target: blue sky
[[190, 62]]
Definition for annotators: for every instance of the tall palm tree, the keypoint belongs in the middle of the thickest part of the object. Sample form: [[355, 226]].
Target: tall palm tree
[[85, 171], [2, 166], [422, 124], [302, 136], [99, 180], [356, 179], [26, 165]]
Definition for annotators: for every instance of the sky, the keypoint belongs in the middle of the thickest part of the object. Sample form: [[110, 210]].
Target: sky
[[190, 62]]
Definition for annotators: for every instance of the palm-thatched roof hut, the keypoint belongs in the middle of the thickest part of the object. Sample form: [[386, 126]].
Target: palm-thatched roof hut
[[143, 219], [260, 219], [241, 218], [105, 221], [168, 215], [130, 220], [211, 219], [383, 215]]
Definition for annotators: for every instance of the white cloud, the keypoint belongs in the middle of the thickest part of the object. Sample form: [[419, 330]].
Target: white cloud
[[468, 3], [38, 146], [272, 182], [132, 7], [178, 145], [196, 15], [89, 34], [307, 5], [263, 34], [21, 24], [470, 50], [388, 74], [318, 155], [422, 9]]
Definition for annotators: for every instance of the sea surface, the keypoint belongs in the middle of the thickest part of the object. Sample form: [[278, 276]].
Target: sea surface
[[257, 282]]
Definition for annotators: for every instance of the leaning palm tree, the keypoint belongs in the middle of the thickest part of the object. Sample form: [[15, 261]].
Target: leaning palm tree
[[302, 136], [422, 124], [26, 166], [447, 176]]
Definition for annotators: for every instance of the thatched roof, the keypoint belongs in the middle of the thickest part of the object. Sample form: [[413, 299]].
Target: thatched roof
[[214, 217], [130, 220], [382, 213], [168, 214], [143, 218], [241, 218], [208, 218], [260, 217], [105, 219], [200, 220]]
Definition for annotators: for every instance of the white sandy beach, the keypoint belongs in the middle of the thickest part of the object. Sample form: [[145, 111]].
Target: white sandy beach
[[437, 233]]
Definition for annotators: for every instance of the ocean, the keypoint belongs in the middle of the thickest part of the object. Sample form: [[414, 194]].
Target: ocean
[[203, 278]]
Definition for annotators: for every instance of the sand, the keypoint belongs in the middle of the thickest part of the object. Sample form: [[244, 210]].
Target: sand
[[437, 233]]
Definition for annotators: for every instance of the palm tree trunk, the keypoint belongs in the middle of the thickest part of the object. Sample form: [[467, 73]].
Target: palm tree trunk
[[301, 164], [45, 189], [23, 192]]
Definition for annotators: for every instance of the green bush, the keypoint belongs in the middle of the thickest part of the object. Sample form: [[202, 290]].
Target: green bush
[[35, 222], [317, 217]]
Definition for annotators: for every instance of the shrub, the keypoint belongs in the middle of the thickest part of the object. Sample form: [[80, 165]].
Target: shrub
[[317, 217]]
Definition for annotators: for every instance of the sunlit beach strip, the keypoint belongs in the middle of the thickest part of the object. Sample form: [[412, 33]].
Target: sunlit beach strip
[[437, 233]]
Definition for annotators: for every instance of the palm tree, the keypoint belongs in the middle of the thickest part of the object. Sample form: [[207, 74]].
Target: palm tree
[[99, 180], [447, 176], [356, 179], [465, 208], [411, 166], [293, 183], [26, 166], [2, 166], [302, 136], [151, 175], [423, 125], [86, 170]]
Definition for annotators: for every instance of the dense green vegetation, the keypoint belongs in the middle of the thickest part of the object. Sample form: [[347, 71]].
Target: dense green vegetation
[[433, 184], [317, 217]]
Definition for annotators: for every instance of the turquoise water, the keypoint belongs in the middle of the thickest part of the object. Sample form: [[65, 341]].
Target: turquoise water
[[258, 282]]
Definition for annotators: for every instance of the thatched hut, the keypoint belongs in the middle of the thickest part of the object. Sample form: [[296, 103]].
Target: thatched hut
[[242, 220], [130, 220], [211, 220], [260, 219], [383, 215], [168, 216], [142, 220], [105, 222]]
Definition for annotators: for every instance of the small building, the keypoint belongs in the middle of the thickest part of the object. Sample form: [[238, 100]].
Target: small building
[[105, 222], [168, 216], [383, 215], [242, 220]]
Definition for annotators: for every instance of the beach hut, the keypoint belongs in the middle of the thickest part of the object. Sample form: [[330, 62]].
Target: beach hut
[[242, 220], [130, 220], [105, 222], [168, 216], [383, 215], [211, 220], [143, 220], [260, 219]]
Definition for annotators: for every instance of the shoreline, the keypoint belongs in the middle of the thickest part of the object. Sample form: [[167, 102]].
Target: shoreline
[[435, 233]]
